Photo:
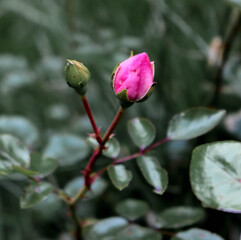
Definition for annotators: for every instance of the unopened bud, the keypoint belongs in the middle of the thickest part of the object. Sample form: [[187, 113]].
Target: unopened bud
[[132, 80], [77, 76]]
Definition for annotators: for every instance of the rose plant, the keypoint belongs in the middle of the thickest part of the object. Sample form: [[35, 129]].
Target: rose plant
[[214, 171]]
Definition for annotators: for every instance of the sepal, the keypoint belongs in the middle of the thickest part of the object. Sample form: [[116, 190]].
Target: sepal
[[113, 75], [123, 98]]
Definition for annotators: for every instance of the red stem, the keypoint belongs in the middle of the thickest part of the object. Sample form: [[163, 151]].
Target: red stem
[[156, 145], [113, 125], [91, 118], [98, 151], [140, 153], [125, 159], [87, 172]]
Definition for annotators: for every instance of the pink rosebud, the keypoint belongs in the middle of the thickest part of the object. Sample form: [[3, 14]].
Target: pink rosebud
[[133, 79]]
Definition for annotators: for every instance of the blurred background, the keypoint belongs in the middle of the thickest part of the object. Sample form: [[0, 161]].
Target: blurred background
[[184, 38]]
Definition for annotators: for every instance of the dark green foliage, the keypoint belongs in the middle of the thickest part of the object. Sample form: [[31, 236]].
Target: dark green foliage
[[38, 107]]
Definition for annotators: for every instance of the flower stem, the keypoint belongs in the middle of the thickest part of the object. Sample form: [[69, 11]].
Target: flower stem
[[79, 195], [88, 169], [125, 159], [135, 155], [78, 230], [141, 152], [91, 118], [156, 145], [113, 125], [98, 151]]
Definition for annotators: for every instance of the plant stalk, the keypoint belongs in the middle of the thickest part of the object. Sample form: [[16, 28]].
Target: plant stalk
[[91, 118], [78, 230], [98, 151], [113, 125]]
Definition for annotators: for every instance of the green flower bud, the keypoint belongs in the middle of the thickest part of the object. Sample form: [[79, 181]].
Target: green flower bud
[[77, 76]]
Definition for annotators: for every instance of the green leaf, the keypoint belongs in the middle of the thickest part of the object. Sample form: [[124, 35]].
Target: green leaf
[[141, 131], [20, 127], [177, 217], [107, 227], [154, 174], [196, 234], [49, 208], [35, 193], [67, 149], [215, 174], [236, 3], [119, 176], [135, 232], [92, 142], [12, 153], [113, 147], [132, 208], [97, 188], [193, 123], [43, 165]]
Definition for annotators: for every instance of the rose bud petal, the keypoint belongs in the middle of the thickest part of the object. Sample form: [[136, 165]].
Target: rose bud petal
[[132, 79], [77, 76]]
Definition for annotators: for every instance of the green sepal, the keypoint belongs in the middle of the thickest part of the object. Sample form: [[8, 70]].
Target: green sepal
[[150, 91], [81, 90], [113, 75], [77, 76], [123, 98]]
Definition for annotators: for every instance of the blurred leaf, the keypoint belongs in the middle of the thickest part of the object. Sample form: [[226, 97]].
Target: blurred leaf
[[35, 193], [154, 174], [178, 217], [31, 13], [232, 72], [58, 112], [20, 127], [49, 207], [97, 188], [67, 149], [12, 153], [43, 165], [196, 234], [233, 123], [236, 3], [107, 227], [135, 232], [193, 123], [215, 175], [9, 62], [132, 208], [142, 132], [119, 176], [130, 42], [15, 80], [92, 142], [113, 147]]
